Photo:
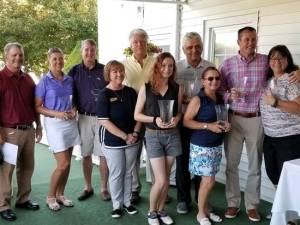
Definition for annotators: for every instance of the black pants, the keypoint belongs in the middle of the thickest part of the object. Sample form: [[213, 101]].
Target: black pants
[[277, 150], [183, 180]]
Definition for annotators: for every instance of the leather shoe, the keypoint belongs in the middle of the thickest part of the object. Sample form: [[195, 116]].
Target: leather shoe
[[28, 205], [85, 194], [253, 215], [135, 197], [8, 214]]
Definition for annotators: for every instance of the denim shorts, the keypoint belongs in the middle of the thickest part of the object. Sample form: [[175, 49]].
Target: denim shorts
[[163, 143]]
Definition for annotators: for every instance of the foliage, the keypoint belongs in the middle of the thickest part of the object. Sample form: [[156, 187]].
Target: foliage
[[74, 58], [151, 49], [41, 24]]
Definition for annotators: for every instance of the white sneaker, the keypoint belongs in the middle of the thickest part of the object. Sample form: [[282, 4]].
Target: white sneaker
[[165, 218], [152, 218]]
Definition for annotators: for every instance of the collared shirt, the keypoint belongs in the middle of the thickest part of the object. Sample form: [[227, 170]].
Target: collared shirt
[[87, 86], [135, 75], [190, 77], [16, 98], [234, 69], [56, 95], [276, 122]]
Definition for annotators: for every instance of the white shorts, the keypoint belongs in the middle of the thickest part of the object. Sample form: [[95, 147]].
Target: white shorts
[[61, 134]]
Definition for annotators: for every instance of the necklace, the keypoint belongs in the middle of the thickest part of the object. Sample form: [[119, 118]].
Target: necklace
[[118, 96]]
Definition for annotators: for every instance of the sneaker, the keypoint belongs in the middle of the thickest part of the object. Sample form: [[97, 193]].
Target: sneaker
[[231, 212], [130, 209], [152, 218], [253, 215], [182, 208], [116, 213], [165, 218]]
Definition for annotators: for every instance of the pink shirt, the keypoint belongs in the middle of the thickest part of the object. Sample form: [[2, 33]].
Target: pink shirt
[[234, 69]]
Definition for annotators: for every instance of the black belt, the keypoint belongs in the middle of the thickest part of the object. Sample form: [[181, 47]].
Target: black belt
[[88, 114], [20, 126], [245, 114]]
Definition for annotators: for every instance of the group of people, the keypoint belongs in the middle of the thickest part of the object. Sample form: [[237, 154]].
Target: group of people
[[112, 111]]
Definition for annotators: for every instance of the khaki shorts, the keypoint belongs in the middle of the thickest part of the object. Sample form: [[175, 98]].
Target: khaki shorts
[[89, 134]]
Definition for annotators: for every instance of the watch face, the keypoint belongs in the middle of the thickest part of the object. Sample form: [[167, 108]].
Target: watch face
[[205, 126]]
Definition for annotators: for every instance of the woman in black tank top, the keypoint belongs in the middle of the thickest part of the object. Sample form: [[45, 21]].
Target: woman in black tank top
[[162, 137]]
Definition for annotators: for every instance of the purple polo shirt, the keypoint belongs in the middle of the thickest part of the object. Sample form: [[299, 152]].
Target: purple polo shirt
[[56, 95], [16, 98], [87, 86]]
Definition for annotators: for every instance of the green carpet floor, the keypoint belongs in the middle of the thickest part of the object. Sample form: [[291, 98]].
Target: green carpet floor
[[96, 212]]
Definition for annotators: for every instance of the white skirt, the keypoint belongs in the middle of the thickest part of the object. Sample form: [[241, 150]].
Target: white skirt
[[61, 134]]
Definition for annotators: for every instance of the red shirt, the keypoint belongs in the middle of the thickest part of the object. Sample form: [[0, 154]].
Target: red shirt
[[16, 98]]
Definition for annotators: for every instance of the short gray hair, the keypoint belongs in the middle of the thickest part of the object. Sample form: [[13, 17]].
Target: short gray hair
[[92, 42], [189, 36], [54, 50], [140, 32], [11, 45]]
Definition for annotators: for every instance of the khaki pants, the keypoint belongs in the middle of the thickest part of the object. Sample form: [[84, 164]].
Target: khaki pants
[[25, 165], [250, 131]]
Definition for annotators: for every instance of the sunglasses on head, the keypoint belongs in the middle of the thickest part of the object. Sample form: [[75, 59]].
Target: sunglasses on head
[[212, 78]]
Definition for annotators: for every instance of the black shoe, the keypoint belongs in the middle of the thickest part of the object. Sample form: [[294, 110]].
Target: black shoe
[[135, 197], [116, 213], [8, 214], [130, 209], [28, 205], [85, 194]]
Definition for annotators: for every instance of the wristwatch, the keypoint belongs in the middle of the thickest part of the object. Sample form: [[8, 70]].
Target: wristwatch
[[205, 126]]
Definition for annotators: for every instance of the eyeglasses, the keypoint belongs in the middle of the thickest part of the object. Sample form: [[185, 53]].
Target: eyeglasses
[[212, 78], [277, 59]]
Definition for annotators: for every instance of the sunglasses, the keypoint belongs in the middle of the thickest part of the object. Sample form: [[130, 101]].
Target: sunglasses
[[212, 78]]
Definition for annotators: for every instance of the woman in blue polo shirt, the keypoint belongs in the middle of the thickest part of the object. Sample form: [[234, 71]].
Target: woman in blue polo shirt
[[120, 133], [54, 100]]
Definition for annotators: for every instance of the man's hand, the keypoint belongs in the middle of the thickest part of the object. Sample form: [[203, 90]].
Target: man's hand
[[294, 76], [2, 136], [38, 134]]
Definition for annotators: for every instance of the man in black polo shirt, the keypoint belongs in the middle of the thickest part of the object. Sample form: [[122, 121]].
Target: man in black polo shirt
[[88, 81]]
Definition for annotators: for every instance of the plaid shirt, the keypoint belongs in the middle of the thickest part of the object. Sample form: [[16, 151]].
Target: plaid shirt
[[234, 69]]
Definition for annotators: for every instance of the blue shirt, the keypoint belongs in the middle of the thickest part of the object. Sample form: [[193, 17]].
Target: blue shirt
[[207, 114], [56, 95], [118, 107], [87, 86]]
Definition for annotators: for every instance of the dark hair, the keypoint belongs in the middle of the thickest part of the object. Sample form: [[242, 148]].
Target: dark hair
[[109, 65], [240, 31], [284, 52], [156, 75], [209, 69]]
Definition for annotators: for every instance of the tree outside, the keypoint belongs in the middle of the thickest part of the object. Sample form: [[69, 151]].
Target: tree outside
[[41, 24]]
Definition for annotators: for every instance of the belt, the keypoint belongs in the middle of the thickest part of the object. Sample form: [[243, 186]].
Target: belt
[[162, 131], [20, 126], [245, 114], [88, 114]]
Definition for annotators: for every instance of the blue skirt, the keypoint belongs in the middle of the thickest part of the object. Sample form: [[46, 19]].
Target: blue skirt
[[205, 161]]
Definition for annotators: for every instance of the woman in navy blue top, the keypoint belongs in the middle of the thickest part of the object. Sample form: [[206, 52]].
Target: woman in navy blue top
[[120, 135], [206, 140]]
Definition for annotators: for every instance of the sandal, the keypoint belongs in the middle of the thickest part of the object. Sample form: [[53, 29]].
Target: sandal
[[52, 204], [215, 218], [204, 221], [64, 201]]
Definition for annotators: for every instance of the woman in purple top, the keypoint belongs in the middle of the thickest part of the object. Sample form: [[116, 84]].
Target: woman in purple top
[[54, 101]]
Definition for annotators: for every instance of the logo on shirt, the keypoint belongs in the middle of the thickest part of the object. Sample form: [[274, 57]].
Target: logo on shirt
[[113, 99]]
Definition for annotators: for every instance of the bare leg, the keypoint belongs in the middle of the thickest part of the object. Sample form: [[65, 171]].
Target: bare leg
[[103, 173], [64, 178], [205, 187], [87, 172]]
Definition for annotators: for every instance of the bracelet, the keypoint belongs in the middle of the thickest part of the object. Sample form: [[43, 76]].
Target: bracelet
[[154, 121], [275, 104]]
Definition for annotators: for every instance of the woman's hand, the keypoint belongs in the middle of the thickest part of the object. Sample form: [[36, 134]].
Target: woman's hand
[[294, 77], [159, 123], [216, 127], [71, 114], [226, 126], [131, 139], [62, 115], [268, 98]]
